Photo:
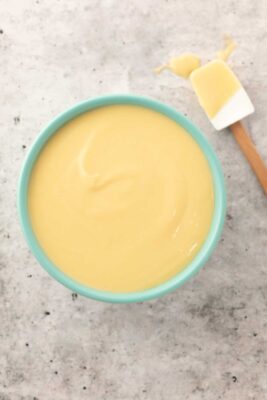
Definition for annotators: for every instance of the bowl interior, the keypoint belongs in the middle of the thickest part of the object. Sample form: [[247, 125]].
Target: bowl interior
[[219, 206]]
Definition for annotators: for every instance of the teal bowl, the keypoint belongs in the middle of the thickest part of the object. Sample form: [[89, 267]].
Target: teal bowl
[[218, 215]]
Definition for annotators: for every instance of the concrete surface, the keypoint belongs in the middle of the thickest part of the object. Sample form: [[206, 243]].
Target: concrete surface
[[208, 339]]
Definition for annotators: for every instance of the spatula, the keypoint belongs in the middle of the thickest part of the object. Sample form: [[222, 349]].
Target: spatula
[[226, 103]]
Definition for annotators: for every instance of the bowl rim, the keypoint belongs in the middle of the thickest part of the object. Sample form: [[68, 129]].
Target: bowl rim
[[219, 204]]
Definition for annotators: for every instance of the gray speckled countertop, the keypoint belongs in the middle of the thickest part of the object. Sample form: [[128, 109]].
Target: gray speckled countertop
[[207, 340]]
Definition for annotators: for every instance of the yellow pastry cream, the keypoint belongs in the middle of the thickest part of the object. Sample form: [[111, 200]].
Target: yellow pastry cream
[[214, 83], [181, 66], [121, 198]]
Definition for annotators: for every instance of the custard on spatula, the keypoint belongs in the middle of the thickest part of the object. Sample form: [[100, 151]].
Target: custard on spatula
[[220, 94], [222, 97]]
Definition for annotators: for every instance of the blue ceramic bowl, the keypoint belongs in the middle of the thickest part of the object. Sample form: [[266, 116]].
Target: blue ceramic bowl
[[217, 220]]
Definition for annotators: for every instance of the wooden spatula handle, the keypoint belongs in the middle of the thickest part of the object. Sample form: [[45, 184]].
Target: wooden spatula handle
[[249, 150]]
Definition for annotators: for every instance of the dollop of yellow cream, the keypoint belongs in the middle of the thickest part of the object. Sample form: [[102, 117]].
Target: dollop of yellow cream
[[182, 66], [121, 198]]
